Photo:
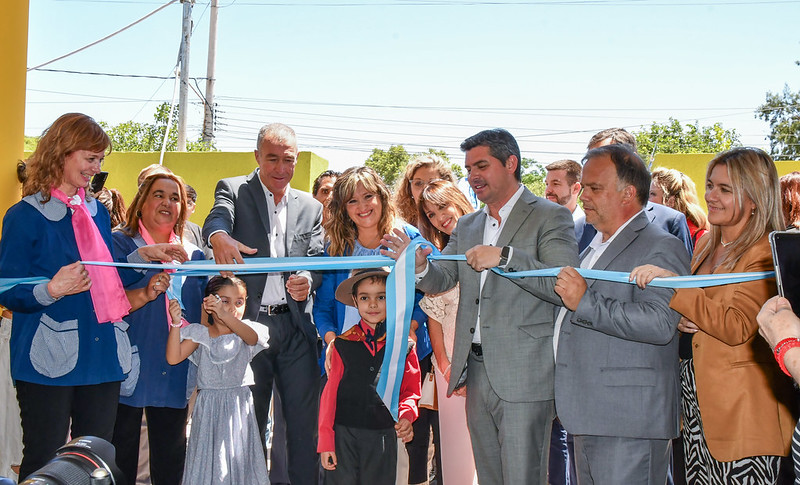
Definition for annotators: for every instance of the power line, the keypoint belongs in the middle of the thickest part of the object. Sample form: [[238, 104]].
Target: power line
[[85, 95], [471, 3], [104, 38], [110, 74], [477, 109]]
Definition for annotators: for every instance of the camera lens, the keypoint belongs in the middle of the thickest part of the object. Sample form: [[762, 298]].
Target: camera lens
[[83, 461]]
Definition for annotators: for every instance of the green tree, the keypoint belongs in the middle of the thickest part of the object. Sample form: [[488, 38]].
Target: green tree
[[388, 163], [782, 112], [674, 137], [131, 136], [533, 174]]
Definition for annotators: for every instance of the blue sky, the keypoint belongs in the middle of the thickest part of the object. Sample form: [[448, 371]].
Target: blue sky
[[352, 75]]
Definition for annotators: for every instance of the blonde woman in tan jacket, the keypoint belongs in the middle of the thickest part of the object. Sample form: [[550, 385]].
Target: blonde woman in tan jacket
[[736, 404]]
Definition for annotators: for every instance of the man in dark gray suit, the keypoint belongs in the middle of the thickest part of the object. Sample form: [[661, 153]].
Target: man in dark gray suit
[[617, 351], [503, 340], [261, 215]]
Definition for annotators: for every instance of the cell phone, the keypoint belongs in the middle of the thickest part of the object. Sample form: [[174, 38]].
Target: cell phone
[[786, 257], [98, 181]]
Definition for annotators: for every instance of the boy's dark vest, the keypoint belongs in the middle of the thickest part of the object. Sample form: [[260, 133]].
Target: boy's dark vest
[[357, 402]]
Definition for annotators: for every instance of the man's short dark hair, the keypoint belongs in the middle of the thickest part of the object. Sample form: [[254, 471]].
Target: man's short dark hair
[[501, 145], [571, 167], [320, 177], [618, 136], [631, 170]]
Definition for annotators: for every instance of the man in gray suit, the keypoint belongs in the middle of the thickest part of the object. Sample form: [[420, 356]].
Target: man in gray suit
[[261, 215], [503, 340], [617, 349]]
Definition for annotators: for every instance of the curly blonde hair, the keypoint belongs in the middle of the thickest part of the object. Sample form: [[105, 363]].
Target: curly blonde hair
[[69, 133], [340, 231], [753, 176], [403, 200]]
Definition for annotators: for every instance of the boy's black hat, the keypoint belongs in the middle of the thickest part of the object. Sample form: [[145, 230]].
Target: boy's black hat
[[344, 293]]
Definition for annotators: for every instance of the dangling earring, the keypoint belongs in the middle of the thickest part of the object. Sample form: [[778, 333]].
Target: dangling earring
[[753, 212]]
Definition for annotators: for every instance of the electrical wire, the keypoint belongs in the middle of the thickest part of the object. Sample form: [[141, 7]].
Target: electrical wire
[[111, 74], [104, 38]]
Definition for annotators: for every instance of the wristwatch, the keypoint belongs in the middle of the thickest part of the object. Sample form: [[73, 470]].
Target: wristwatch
[[504, 255]]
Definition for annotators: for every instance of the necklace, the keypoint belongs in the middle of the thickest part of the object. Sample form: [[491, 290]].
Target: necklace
[[725, 244]]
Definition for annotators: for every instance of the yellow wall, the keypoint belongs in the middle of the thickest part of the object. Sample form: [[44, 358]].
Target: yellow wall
[[694, 165], [13, 58], [201, 170]]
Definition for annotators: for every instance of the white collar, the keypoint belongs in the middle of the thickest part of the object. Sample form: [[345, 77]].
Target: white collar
[[597, 241]]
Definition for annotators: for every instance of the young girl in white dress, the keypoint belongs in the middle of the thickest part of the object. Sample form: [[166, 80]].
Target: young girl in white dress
[[224, 446]]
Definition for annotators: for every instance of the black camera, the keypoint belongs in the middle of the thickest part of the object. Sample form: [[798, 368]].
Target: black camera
[[87, 460]]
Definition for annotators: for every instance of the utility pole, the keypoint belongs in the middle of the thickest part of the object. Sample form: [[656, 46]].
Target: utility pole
[[183, 96], [208, 121]]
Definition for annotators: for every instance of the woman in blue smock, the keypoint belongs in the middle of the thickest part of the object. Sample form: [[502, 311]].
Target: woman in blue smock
[[157, 215], [69, 350]]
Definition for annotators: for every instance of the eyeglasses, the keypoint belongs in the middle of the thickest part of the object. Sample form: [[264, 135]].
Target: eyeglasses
[[420, 184]]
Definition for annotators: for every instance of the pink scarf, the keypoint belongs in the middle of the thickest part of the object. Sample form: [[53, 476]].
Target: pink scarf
[[108, 295], [173, 239]]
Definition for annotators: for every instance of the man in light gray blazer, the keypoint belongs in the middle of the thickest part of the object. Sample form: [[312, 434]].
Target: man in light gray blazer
[[617, 384], [503, 339], [261, 215]]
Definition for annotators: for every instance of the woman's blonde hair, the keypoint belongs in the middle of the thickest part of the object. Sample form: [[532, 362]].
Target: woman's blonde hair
[[134, 215], [403, 200], [440, 194], [683, 192], [69, 133], [753, 176], [340, 230]]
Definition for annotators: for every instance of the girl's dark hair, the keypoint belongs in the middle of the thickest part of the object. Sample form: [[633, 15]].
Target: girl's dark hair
[[217, 282]]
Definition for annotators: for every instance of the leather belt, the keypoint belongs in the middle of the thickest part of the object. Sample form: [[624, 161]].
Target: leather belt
[[477, 349], [274, 309]]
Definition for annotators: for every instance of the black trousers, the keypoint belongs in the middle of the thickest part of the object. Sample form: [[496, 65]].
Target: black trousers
[[166, 435], [417, 448], [363, 457], [291, 363], [47, 411]]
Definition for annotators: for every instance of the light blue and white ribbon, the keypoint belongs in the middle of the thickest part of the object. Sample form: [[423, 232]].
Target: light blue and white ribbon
[[400, 283], [691, 281]]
